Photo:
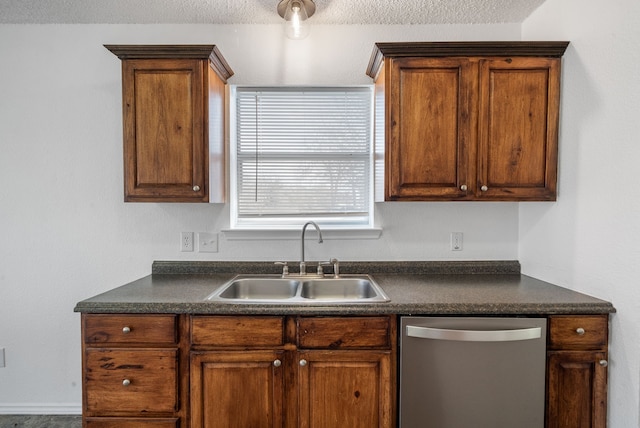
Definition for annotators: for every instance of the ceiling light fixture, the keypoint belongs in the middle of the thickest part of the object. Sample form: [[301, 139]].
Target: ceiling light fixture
[[295, 14]]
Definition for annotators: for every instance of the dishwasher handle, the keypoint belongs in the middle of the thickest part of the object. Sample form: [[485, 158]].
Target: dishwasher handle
[[474, 335]]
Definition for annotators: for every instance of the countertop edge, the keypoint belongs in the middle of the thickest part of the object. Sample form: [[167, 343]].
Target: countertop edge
[[381, 309]]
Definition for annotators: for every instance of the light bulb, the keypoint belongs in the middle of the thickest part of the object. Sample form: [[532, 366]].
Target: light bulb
[[295, 14], [296, 26]]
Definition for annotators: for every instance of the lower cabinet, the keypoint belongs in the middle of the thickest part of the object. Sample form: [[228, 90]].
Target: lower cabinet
[[345, 370], [132, 371], [577, 371], [202, 371], [319, 372]]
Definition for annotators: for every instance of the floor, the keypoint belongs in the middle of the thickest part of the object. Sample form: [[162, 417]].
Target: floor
[[38, 421]]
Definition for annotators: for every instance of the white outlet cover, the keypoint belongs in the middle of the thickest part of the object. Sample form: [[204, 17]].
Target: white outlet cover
[[186, 241], [456, 241]]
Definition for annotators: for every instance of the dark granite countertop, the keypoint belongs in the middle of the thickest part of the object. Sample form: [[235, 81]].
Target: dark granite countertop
[[417, 288]]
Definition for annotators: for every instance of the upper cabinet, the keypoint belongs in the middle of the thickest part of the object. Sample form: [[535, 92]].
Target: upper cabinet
[[173, 118], [467, 120]]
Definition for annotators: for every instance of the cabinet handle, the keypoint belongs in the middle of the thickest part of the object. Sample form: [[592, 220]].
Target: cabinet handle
[[463, 187], [604, 363], [126, 330], [196, 188], [277, 363], [484, 188], [303, 363], [580, 331], [126, 382]]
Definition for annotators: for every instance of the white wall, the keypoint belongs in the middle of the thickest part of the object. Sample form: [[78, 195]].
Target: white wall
[[588, 240], [66, 235]]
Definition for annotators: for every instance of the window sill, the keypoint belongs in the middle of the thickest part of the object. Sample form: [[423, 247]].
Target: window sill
[[293, 234]]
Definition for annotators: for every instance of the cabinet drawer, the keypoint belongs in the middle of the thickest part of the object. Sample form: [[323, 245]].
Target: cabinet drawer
[[131, 423], [237, 331], [131, 380], [344, 332], [127, 329], [578, 332]]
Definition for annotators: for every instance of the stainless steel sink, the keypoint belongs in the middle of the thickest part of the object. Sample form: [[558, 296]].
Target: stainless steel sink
[[339, 289], [260, 289], [305, 290]]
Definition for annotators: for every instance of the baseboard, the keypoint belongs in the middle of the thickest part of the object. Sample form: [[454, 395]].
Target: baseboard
[[40, 409]]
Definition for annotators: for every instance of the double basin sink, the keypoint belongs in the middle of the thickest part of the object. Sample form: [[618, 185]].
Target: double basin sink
[[275, 289]]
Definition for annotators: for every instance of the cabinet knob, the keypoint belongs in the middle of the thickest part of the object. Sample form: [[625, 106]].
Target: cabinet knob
[[604, 363], [303, 363], [126, 330], [484, 188], [580, 331], [196, 188], [277, 363], [126, 382], [463, 187]]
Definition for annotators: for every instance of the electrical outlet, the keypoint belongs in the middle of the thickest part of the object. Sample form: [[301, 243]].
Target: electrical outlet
[[207, 242], [2, 363], [456, 241], [186, 241]]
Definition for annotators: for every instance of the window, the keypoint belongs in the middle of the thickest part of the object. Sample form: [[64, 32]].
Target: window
[[302, 154]]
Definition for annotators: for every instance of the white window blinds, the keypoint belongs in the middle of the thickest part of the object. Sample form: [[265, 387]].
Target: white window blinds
[[303, 153]]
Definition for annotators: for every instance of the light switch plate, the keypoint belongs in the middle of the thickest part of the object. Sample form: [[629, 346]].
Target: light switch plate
[[207, 242], [2, 357]]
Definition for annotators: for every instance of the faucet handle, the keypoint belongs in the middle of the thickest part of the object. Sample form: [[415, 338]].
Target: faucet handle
[[285, 267], [320, 270]]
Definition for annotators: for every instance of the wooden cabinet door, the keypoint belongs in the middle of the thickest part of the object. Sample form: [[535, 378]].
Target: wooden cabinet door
[[344, 389], [429, 123], [237, 389], [577, 388], [165, 146], [518, 125]]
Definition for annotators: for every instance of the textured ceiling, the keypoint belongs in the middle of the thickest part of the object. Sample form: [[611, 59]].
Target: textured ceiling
[[264, 11]]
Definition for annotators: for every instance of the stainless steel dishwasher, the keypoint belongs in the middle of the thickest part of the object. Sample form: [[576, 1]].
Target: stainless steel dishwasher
[[472, 372]]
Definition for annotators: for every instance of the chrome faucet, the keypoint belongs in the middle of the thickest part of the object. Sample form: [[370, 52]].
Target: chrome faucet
[[303, 265]]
